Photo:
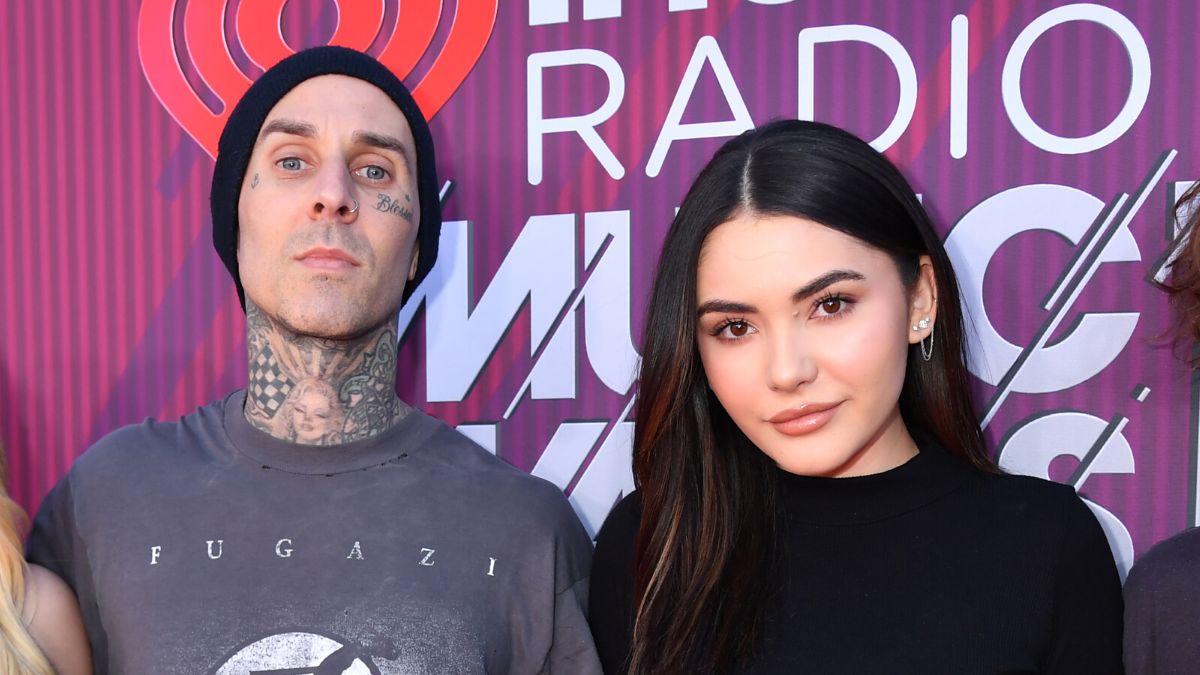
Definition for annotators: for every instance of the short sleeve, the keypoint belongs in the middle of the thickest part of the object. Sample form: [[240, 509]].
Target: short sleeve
[[572, 651], [611, 613], [54, 543], [1088, 606]]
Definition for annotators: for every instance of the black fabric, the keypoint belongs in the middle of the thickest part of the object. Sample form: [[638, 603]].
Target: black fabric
[[929, 568], [246, 120], [1162, 610]]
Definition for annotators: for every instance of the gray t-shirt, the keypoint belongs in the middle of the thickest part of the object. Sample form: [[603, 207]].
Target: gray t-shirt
[[1162, 609], [208, 546]]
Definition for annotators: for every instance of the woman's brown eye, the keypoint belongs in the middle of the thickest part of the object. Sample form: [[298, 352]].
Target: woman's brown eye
[[738, 328], [831, 306]]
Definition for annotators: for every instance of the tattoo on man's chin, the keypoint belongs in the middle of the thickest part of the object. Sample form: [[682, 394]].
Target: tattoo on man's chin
[[388, 205], [254, 182]]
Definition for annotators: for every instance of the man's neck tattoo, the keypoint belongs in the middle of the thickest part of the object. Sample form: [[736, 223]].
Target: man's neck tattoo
[[317, 391]]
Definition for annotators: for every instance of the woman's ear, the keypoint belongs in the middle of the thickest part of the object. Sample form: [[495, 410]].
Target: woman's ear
[[922, 314]]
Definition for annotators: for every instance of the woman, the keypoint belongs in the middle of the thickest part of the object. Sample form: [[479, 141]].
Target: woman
[[41, 632], [814, 493], [1162, 593]]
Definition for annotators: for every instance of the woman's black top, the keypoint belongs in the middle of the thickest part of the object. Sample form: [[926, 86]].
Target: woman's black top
[[932, 567]]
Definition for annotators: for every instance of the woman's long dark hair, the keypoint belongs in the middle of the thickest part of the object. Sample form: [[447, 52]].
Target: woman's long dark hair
[[707, 540]]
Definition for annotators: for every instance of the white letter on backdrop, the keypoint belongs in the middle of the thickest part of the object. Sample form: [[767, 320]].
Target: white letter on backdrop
[[810, 37], [584, 125], [707, 50], [959, 68], [1139, 85]]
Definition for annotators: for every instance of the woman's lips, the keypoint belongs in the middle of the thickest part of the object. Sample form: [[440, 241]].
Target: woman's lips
[[805, 419]]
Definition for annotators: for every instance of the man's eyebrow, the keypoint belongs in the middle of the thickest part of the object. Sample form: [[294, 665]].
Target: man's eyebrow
[[293, 127], [384, 142], [824, 281]]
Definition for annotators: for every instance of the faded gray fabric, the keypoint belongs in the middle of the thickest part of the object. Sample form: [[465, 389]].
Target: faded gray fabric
[[1162, 609], [208, 546]]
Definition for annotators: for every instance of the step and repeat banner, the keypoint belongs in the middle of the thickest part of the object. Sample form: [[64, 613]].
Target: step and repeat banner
[[1047, 139]]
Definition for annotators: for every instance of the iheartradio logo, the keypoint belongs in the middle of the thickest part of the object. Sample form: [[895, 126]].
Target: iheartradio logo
[[209, 27]]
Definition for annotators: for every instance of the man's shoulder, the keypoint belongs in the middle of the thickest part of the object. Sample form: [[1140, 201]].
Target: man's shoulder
[[149, 442], [448, 448], [1173, 563], [490, 481]]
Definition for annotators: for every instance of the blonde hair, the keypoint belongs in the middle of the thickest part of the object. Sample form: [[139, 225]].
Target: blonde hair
[[19, 654]]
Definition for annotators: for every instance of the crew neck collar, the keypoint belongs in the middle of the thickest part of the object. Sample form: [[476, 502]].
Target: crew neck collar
[[405, 437]]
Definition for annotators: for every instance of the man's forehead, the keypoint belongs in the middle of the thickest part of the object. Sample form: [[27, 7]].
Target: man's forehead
[[347, 103]]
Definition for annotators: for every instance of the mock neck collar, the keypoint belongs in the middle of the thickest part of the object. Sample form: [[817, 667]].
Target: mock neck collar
[[926, 477]]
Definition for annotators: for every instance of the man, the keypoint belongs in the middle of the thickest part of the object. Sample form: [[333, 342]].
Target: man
[[1162, 608], [1162, 592], [314, 523]]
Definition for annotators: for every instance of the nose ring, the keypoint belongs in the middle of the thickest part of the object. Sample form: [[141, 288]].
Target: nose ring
[[355, 209]]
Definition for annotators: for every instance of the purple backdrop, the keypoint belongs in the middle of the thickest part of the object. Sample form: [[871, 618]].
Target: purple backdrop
[[1047, 139]]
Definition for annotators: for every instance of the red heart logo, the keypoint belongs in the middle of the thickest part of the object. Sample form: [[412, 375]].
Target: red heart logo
[[258, 32]]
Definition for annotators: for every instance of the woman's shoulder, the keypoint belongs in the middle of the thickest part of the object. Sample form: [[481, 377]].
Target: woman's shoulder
[[1033, 496], [1004, 495], [46, 597], [51, 614], [1036, 514], [619, 531], [612, 564], [1032, 487], [610, 611]]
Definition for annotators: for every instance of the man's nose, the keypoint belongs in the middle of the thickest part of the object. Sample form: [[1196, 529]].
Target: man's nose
[[333, 196]]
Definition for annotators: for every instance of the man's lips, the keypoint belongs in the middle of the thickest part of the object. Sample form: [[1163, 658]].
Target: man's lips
[[327, 259], [804, 419]]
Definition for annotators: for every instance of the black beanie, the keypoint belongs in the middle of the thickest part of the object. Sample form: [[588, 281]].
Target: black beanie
[[246, 120]]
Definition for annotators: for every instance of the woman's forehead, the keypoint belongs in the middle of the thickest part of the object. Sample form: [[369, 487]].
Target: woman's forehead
[[753, 249]]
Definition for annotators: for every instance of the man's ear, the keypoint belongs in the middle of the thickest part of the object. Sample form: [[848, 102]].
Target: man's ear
[[412, 271], [922, 314]]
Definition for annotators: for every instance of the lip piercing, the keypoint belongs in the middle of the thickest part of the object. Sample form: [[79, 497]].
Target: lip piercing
[[355, 210]]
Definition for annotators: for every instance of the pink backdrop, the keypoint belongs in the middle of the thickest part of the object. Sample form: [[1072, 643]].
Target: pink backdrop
[[569, 143]]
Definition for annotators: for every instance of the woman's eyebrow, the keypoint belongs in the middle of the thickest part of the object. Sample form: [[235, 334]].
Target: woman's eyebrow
[[807, 290], [824, 281], [724, 307]]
